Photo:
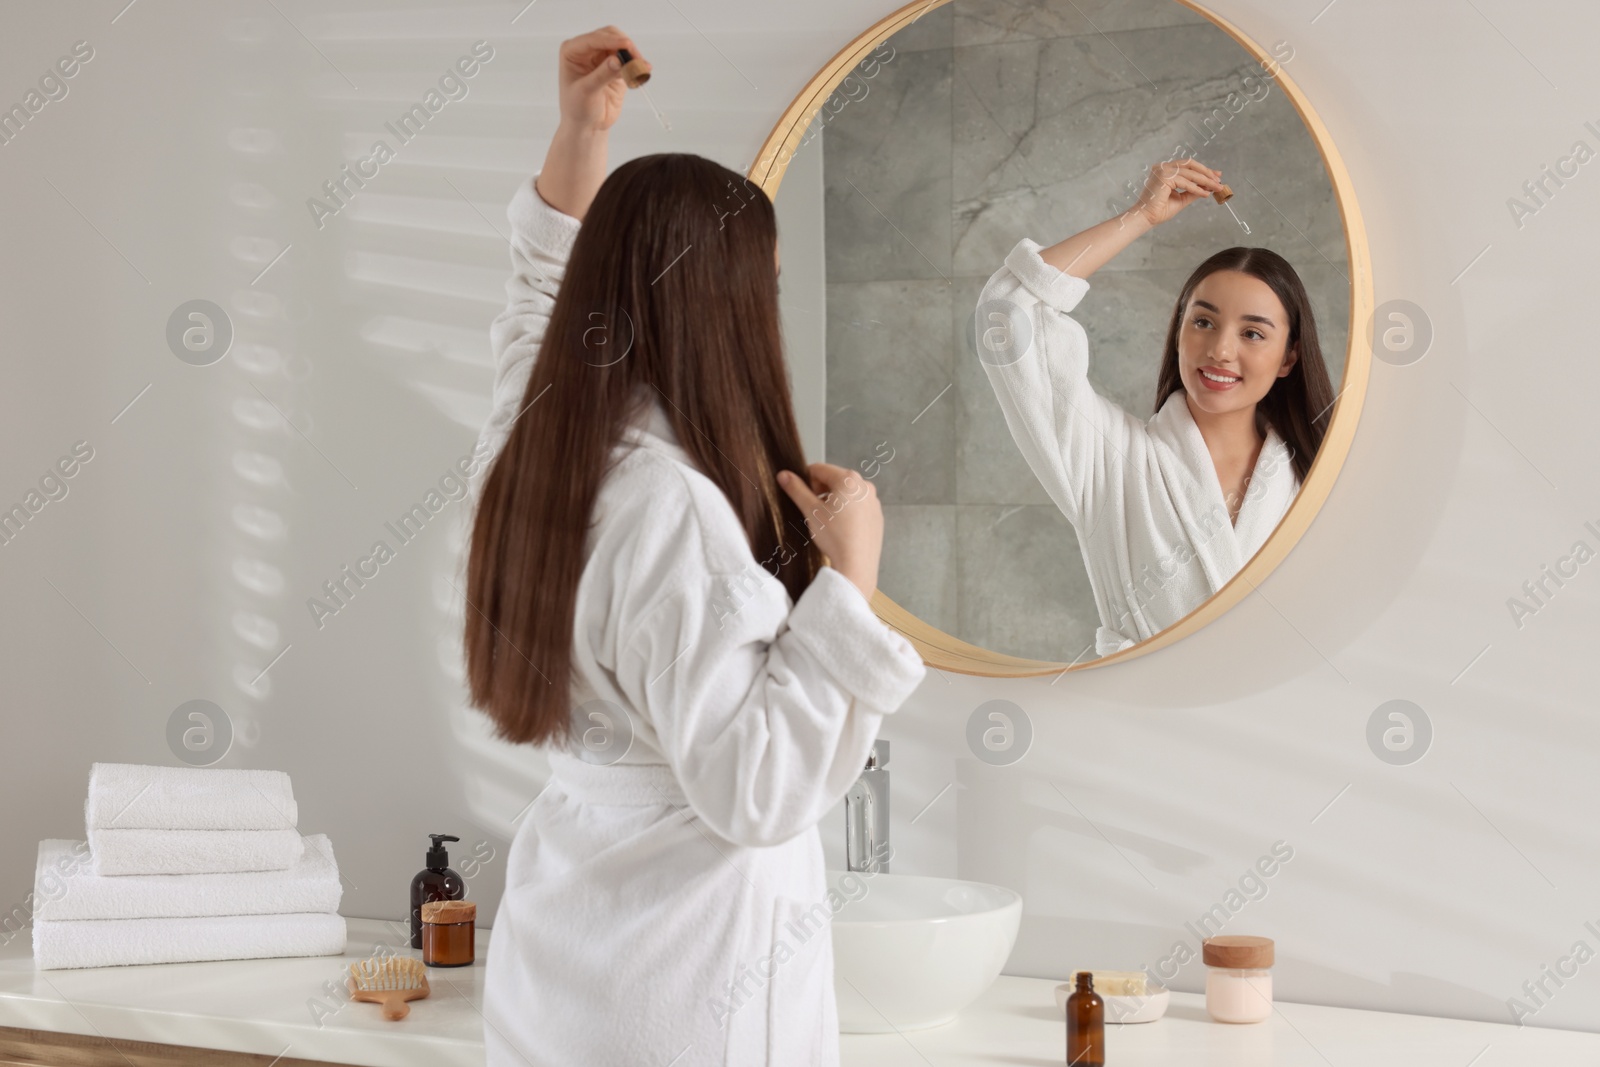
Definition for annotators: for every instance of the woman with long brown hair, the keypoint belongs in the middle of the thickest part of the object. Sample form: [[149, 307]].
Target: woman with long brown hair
[[645, 604], [1166, 510]]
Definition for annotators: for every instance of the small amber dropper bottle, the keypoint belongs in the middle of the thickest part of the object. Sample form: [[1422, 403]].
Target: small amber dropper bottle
[[1086, 1025]]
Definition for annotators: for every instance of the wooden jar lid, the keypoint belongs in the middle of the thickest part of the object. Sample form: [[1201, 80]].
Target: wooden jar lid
[[449, 911], [1237, 950]]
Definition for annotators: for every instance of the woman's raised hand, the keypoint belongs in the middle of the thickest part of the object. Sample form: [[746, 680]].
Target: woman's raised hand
[[592, 88], [846, 521], [1173, 186]]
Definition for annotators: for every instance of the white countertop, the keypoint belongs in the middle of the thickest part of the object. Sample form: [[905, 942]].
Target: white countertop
[[263, 1006], [1017, 1023]]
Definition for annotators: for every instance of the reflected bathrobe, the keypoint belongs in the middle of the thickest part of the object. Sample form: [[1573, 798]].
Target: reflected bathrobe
[[1144, 497], [671, 907]]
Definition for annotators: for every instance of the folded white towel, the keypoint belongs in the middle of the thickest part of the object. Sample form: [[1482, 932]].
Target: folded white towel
[[138, 796], [65, 887], [193, 851], [117, 942]]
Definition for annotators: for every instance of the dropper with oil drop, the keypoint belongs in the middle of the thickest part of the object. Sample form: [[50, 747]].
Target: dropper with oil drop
[[1237, 219], [666, 126], [635, 72], [1222, 196]]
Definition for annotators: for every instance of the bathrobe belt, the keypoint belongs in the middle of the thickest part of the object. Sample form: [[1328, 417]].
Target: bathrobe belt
[[616, 783], [1107, 641]]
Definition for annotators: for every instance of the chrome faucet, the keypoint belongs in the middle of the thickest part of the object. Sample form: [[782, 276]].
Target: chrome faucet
[[866, 815]]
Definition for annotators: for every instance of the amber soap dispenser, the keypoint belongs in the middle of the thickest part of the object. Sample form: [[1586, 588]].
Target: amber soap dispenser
[[436, 882], [1086, 1025]]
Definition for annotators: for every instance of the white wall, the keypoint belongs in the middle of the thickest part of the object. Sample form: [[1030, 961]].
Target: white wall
[[1150, 787]]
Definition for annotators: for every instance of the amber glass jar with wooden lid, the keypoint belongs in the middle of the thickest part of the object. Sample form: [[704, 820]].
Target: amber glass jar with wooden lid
[[447, 932]]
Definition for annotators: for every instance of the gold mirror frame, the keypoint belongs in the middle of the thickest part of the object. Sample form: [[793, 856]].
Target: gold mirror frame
[[945, 652]]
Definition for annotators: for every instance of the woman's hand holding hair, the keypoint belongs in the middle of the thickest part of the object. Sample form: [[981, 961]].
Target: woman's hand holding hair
[[846, 520], [591, 94]]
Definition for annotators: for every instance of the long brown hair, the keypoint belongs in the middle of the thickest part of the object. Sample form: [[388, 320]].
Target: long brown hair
[[670, 285], [1298, 404]]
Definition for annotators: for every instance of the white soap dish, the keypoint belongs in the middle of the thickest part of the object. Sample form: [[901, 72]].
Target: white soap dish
[[1145, 1009]]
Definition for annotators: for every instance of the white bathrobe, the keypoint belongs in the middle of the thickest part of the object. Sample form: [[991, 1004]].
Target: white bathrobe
[[1144, 497], [671, 907]]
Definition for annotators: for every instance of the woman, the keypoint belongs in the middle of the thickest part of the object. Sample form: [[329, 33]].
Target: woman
[[1168, 510], [647, 605]]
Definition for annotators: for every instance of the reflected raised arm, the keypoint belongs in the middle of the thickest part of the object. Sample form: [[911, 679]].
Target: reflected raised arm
[[1171, 187]]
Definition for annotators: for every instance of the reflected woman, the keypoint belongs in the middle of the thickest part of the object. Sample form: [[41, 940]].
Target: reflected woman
[[1169, 509]]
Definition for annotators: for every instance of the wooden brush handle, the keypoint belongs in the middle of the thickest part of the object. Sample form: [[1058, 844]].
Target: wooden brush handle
[[393, 1000], [394, 1004]]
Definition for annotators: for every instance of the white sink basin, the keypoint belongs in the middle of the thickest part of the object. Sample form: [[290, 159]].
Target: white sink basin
[[911, 951]]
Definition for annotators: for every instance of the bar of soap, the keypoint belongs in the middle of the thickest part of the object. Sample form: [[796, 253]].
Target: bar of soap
[[1115, 983], [1223, 195]]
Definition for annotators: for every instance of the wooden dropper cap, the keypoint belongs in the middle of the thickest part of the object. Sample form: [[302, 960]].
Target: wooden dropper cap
[[1223, 195], [634, 71], [1237, 950]]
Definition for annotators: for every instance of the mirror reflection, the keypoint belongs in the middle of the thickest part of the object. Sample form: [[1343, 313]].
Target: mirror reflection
[[1087, 302]]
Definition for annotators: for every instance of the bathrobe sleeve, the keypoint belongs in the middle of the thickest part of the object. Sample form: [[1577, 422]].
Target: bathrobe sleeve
[[1075, 440], [765, 712], [541, 241]]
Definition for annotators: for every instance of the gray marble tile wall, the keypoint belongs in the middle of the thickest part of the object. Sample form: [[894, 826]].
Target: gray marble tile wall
[[999, 120]]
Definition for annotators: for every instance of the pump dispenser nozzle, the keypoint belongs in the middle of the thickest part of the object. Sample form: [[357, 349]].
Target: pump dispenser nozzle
[[438, 859]]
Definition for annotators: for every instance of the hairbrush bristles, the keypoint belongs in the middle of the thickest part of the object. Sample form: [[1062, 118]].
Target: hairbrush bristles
[[395, 972], [390, 982]]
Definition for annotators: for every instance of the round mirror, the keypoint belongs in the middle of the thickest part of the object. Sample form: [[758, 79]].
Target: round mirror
[[1089, 308]]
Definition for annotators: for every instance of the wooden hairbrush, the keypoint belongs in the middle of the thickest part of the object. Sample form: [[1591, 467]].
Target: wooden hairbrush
[[390, 982]]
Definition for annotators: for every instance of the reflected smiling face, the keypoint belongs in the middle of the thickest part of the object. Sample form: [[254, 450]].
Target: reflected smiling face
[[1232, 341]]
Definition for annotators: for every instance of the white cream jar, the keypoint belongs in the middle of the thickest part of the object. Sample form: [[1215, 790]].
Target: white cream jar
[[1238, 978]]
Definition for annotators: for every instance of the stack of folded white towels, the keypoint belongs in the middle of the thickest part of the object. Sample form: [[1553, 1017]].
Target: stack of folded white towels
[[185, 864]]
